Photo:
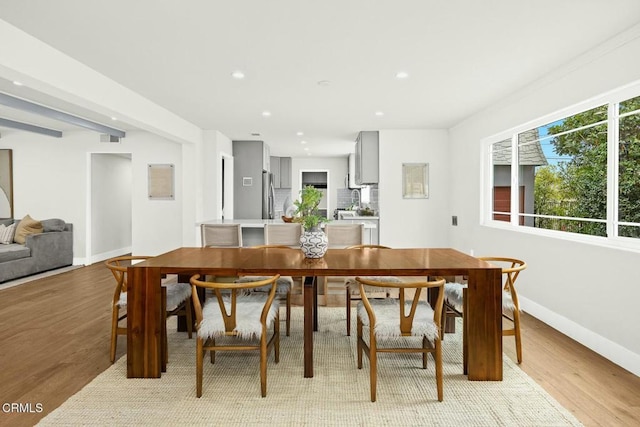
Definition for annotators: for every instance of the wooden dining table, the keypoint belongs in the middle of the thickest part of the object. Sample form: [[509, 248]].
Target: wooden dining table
[[483, 307]]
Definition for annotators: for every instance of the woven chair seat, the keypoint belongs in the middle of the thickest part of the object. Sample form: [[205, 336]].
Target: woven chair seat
[[248, 325], [283, 284], [453, 294], [388, 319], [176, 294], [354, 288]]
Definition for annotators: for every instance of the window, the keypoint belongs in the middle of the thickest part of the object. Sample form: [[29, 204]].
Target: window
[[629, 168], [577, 171]]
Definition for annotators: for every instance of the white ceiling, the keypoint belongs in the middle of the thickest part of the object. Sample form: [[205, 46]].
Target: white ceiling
[[461, 56]]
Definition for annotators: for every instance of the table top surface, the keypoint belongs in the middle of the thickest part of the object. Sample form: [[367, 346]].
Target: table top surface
[[336, 262]]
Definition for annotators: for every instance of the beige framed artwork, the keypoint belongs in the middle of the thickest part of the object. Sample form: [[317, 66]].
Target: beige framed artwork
[[415, 180], [161, 182]]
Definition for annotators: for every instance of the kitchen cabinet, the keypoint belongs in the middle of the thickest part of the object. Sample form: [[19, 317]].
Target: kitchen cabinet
[[285, 172], [367, 158], [352, 171], [281, 170], [274, 162], [266, 157]]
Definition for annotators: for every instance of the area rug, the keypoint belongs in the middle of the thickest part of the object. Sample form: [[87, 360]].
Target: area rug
[[23, 280], [337, 395]]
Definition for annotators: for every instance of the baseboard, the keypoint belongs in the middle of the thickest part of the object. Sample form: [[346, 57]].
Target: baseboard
[[106, 255], [603, 346]]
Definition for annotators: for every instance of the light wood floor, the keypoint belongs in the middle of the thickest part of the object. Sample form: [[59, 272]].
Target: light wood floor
[[54, 339]]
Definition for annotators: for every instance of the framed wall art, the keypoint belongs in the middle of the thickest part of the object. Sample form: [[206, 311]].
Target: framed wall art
[[415, 180], [161, 182]]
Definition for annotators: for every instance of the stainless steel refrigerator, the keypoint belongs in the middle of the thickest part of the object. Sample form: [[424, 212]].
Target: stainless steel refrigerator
[[268, 195]]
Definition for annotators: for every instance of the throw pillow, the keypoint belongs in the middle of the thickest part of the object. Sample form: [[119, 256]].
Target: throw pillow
[[25, 227], [7, 233], [53, 224]]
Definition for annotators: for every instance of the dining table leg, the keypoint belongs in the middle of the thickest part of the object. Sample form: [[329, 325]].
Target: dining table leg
[[310, 298], [144, 323], [483, 325]]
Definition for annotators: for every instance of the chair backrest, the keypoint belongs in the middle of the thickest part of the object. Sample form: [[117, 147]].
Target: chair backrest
[[118, 267], [406, 319], [283, 234], [221, 235], [227, 294], [344, 235], [511, 268]]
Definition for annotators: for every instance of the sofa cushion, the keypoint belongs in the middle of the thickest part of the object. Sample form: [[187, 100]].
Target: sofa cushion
[[53, 224], [25, 227], [13, 252], [7, 233]]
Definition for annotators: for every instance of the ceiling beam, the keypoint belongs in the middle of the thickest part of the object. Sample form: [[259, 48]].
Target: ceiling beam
[[21, 104], [30, 128]]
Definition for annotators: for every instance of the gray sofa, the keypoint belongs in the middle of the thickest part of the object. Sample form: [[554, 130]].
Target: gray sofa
[[53, 248]]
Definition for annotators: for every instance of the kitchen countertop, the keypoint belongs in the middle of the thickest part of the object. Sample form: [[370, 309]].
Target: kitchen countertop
[[260, 223], [361, 217]]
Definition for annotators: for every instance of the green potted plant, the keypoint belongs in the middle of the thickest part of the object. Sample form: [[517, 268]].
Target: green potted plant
[[307, 212], [313, 241]]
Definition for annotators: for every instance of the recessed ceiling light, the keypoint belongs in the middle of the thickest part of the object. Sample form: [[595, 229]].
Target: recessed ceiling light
[[239, 75], [379, 113], [402, 75], [299, 133], [266, 113], [303, 142], [17, 83], [324, 83], [114, 118], [306, 148]]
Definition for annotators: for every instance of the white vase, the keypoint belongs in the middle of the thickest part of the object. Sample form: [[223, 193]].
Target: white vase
[[314, 243]]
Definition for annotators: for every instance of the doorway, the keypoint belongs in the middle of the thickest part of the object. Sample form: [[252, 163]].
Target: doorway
[[318, 178], [109, 229]]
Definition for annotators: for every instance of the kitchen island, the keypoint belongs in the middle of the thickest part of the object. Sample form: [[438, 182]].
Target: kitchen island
[[253, 229]]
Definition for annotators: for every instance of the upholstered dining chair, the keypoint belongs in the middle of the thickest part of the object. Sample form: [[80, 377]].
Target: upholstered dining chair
[[394, 319], [175, 301], [235, 312], [511, 268], [352, 287], [341, 236], [284, 284], [221, 235]]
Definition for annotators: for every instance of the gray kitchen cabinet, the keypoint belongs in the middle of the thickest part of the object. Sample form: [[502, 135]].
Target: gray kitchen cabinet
[[281, 170], [266, 157], [352, 172], [275, 170], [285, 172], [367, 158]]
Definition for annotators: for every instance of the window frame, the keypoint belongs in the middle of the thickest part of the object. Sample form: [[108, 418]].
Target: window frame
[[613, 240]]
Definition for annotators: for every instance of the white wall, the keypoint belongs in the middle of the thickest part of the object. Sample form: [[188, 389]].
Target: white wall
[[406, 223], [51, 177], [110, 215], [587, 292]]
